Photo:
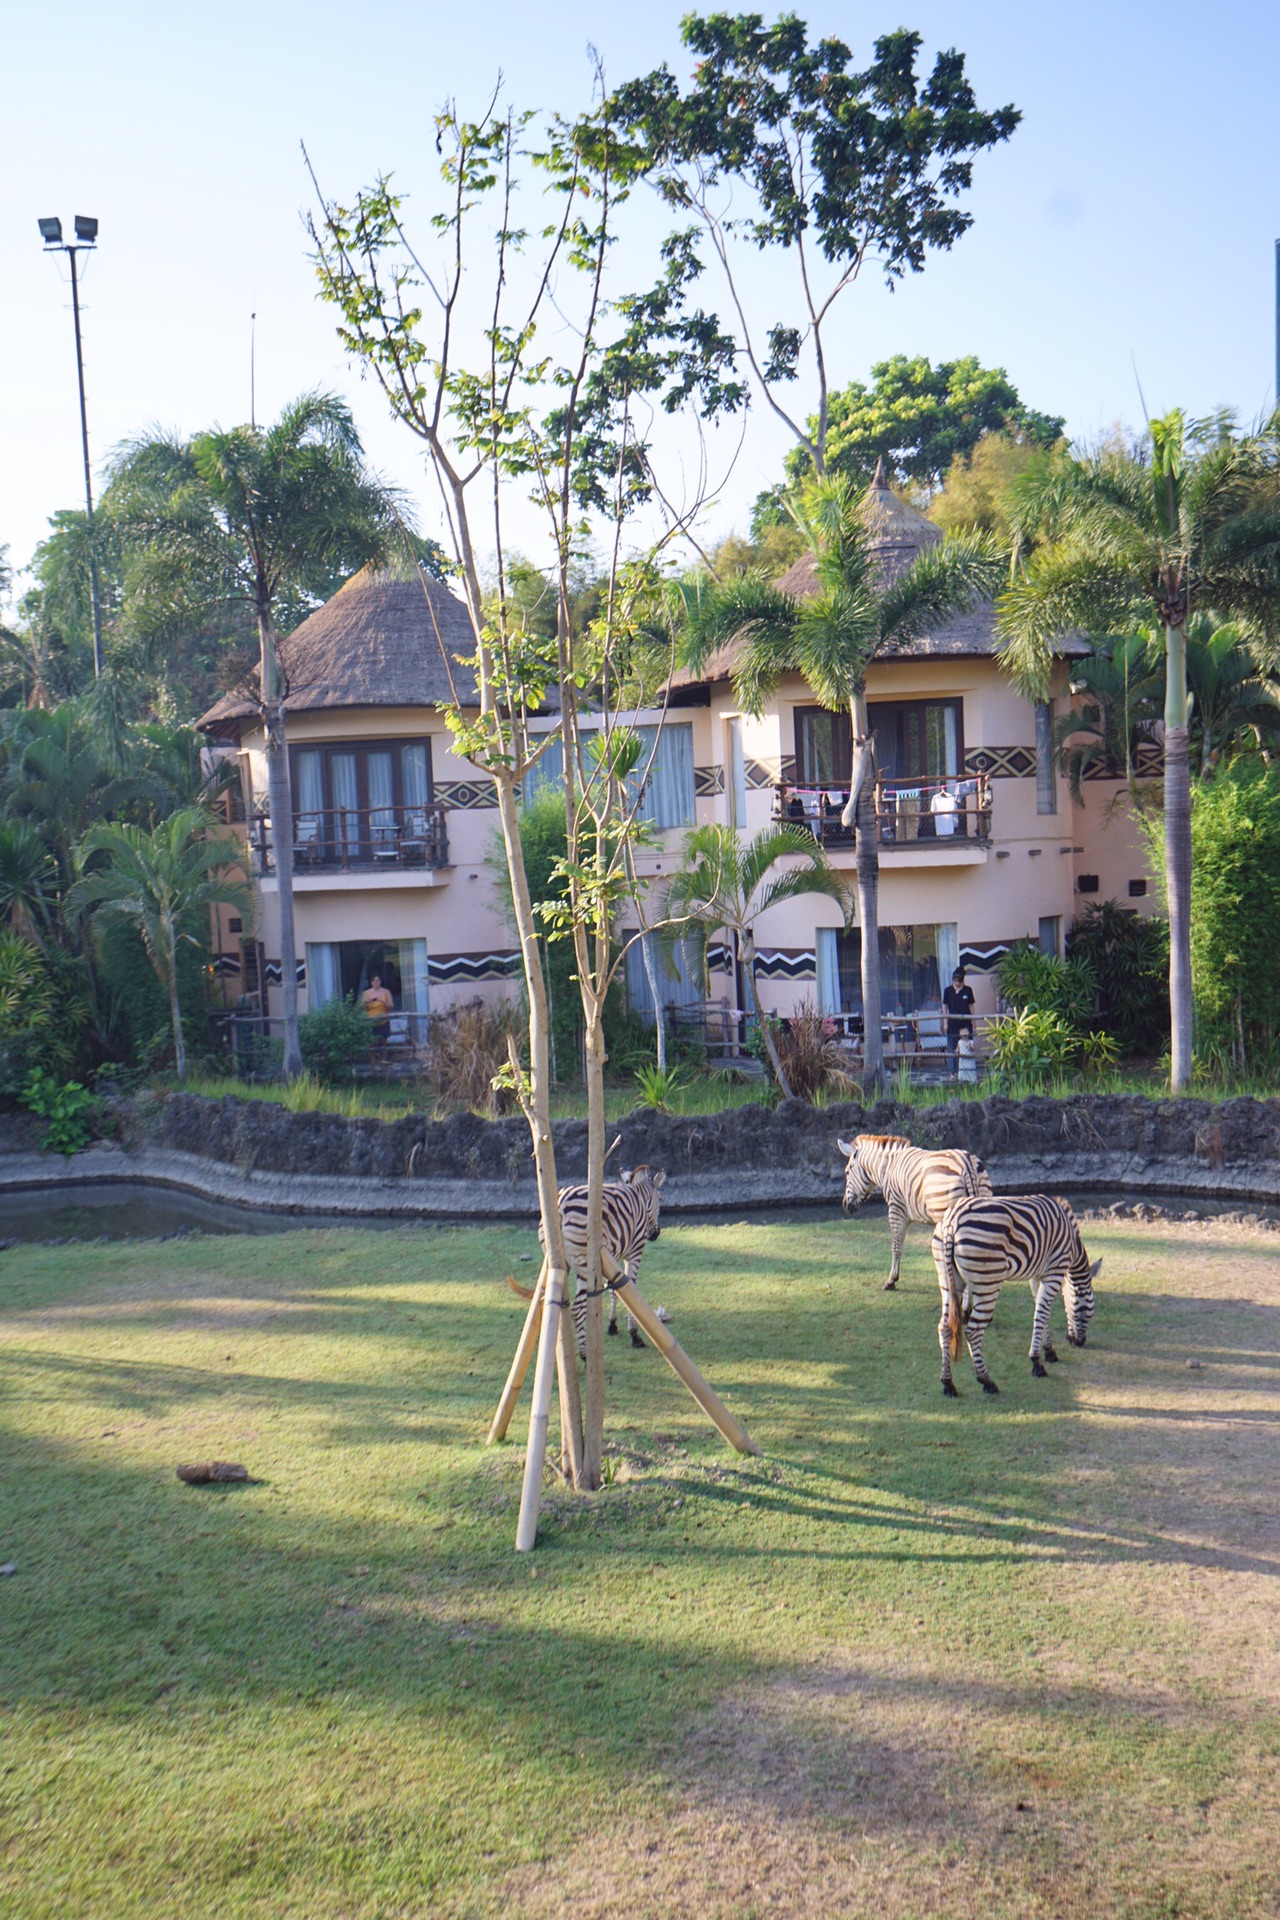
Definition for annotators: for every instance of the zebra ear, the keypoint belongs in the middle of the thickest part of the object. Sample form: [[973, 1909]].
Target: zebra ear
[[659, 1177], [1096, 1268], [625, 1175], [847, 1147]]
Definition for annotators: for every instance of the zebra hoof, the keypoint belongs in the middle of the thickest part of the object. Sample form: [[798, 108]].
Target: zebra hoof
[[1050, 1355], [989, 1386], [636, 1340], [949, 1390], [1072, 1341], [890, 1286], [1040, 1371], [614, 1327]]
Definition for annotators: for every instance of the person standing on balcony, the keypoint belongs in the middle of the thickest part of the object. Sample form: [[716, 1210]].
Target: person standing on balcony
[[943, 807], [958, 1001], [379, 1005]]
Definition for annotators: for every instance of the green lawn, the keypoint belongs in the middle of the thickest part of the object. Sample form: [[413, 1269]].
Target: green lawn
[[1005, 1658]]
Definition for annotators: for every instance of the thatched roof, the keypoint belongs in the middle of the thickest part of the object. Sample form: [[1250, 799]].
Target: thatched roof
[[380, 642], [899, 533]]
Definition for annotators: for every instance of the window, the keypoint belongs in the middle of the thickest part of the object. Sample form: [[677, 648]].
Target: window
[[1050, 937], [343, 970], [911, 963], [1046, 776], [668, 793], [919, 739], [679, 972], [356, 798], [824, 748], [1137, 890]]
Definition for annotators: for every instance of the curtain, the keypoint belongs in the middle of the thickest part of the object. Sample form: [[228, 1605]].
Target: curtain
[[413, 774], [668, 797], [414, 989], [737, 776], [382, 817], [679, 980], [324, 974], [828, 970], [309, 797], [549, 772], [948, 940], [346, 798]]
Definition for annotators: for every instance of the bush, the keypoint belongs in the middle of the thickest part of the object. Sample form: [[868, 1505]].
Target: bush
[[467, 1052], [43, 1012], [656, 1087], [1035, 982], [810, 1053], [1039, 1045], [70, 1112], [1235, 924], [1129, 957], [333, 1037]]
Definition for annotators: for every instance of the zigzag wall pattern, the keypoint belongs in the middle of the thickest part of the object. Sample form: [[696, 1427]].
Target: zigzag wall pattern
[[984, 957], [447, 969], [787, 963]]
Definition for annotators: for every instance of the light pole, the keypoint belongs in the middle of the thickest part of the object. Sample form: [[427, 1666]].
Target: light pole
[[85, 241]]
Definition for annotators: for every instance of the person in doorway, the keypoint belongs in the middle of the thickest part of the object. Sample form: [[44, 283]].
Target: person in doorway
[[958, 1001], [943, 807], [379, 1006]]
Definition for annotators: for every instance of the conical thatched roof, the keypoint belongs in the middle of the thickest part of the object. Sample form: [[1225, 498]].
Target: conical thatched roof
[[380, 642], [898, 531]]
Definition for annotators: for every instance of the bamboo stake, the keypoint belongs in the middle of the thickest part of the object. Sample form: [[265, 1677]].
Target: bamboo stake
[[680, 1363], [536, 1456], [520, 1365]]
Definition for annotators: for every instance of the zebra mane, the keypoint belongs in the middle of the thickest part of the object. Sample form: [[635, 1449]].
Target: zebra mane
[[884, 1139]]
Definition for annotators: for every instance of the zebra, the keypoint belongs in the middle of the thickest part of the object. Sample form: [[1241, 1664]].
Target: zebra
[[916, 1184], [628, 1221], [983, 1242]]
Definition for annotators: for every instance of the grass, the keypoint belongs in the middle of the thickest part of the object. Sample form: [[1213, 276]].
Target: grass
[[1011, 1658]]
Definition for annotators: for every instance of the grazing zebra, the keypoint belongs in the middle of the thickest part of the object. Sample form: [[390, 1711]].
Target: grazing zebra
[[629, 1220], [916, 1184], [983, 1242]]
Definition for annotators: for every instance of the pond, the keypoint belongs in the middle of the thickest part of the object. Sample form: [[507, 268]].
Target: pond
[[139, 1210]]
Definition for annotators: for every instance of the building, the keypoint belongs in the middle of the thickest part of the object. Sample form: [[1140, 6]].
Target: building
[[393, 834]]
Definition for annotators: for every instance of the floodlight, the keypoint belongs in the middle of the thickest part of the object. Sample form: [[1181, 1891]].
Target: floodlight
[[51, 232], [86, 228]]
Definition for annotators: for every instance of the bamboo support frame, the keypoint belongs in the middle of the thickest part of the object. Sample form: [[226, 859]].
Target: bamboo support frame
[[680, 1363], [520, 1365], [536, 1455]]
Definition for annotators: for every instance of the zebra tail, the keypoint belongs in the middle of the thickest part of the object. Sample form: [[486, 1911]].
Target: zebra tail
[[955, 1302], [525, 1293]]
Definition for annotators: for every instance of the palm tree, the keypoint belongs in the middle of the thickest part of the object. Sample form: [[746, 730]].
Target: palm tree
[[1119, 684], [721, 884], [162, 882], [1231, 698], [857, 609], [269, 518], [1197, 526]]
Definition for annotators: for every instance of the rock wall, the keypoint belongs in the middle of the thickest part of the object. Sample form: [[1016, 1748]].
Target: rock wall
[[750, 1156]]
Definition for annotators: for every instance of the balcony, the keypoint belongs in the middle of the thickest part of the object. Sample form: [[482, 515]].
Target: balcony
[[907, 821], [358, 840]]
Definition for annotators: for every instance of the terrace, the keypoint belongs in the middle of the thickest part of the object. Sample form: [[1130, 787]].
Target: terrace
[[906, 814], [358, 839]]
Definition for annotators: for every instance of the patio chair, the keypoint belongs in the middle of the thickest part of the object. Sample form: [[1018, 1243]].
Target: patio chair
[[306, 839]]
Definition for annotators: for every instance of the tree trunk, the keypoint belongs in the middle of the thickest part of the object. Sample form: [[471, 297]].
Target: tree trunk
[[593, 1420], [749, 976], [175, 1009], [861, 806], [1177, 855], [280, 799]]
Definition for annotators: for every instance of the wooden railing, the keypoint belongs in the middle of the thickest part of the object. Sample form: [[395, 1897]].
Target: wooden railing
[[372, 838], [907, 811]]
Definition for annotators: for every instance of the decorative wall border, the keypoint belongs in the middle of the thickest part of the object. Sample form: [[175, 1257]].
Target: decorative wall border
[[984, 956], [464, 796], [707, 781], [448, 969], [1002, 763], [720, 958], [274, 973], [786, 963], [762, 773], [1148, 764]]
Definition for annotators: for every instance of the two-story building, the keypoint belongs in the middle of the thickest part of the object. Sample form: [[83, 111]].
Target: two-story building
[[393, 835]]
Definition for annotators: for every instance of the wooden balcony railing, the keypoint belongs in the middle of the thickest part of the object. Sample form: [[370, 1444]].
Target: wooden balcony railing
[[907, 812], [372, 839]]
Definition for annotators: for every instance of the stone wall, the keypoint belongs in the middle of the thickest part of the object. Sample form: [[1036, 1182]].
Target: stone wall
[[258, 1151]]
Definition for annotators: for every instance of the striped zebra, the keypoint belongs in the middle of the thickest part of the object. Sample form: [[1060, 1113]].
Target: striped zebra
[[916, 1184], [982, 1243], [629, 1220]]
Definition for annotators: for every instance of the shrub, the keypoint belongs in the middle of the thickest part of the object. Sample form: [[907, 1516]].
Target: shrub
[[1129, 956], [43, 1012], [333, 1037], [1035, 982], [467, 1052], [1034, 1045], [69, 1111], [655, 1087], [810, 1052], [1235, 925]]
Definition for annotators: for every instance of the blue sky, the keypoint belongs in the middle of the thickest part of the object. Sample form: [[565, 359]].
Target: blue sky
[[1132, 216]]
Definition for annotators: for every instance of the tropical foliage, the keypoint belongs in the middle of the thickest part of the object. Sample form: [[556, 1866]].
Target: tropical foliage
[[1127, 954], [1235, 932], [1194, 527]]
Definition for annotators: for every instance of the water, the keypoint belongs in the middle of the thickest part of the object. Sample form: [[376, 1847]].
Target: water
[[134, 1210]]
